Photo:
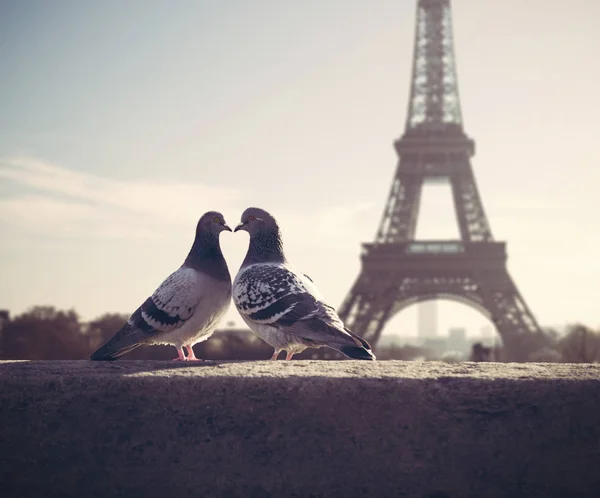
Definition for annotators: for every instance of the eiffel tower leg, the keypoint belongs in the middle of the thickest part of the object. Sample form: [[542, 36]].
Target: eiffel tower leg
[[400, 216], [368, 305], [471, 217], [377, 321], [515, 323], [357, 310]]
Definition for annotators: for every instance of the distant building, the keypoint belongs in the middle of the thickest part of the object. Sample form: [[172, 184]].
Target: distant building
[[436, 346], [457, 340], [427, 320], [480, 353]]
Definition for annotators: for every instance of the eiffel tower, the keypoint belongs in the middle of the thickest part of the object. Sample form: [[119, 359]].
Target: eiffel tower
[[398, 270]]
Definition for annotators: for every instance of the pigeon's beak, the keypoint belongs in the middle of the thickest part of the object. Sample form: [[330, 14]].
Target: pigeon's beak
[[240, 227], [227, 227]]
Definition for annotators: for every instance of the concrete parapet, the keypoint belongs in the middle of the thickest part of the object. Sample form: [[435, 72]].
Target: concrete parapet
[[299, 428]]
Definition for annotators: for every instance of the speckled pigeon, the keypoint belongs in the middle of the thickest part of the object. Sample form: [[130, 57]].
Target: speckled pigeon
[[282, 306], [187, 306]]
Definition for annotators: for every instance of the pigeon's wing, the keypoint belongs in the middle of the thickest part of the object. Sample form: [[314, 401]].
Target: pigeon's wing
[[173, 303], [169, 307], [273, 294]]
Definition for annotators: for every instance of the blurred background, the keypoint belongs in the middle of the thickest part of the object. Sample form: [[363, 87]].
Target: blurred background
[[122, 122]]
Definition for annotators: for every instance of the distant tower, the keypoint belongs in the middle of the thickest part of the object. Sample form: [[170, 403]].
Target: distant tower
[[398, 270], [427, 319]]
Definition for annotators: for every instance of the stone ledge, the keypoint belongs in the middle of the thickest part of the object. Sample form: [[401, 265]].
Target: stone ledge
[[300, 428]]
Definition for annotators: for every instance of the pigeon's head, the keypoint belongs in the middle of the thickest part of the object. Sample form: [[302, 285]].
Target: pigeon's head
[[256, 220], [212, 222]]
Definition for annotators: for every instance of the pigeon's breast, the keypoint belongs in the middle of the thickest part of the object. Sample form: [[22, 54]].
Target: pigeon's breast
[[213, 301]]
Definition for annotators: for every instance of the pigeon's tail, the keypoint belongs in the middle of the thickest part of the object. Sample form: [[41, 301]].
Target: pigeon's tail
[[119, 345], [108, 353], [359, 351]]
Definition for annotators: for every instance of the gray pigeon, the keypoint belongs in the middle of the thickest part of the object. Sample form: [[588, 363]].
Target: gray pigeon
[[187, 306], [284, 307]]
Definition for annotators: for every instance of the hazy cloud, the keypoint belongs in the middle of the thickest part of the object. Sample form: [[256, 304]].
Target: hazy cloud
[[55, 200], [62, 201]]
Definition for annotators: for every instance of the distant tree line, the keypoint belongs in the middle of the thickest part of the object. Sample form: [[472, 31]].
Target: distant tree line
[[45, 333]]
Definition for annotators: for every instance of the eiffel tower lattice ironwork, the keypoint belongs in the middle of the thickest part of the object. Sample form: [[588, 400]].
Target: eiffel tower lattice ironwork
[[398, 270]]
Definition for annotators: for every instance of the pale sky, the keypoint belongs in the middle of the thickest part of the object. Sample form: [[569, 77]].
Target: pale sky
[[121, 122]]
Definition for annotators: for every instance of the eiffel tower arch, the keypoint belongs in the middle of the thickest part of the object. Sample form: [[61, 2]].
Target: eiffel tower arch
[[398, 270]]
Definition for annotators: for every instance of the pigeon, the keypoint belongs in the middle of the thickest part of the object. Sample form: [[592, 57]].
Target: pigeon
[[282, 306], [187, 306]]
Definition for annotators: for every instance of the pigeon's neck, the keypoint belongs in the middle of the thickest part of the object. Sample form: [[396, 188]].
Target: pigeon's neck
[[265, 247], [206, 256]]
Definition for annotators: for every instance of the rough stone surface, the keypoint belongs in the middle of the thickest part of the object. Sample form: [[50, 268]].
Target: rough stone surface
[[299, 428]]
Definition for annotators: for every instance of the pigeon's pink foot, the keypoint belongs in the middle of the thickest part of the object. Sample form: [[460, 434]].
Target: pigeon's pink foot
[[181, 356], [289, 356], [191, 356], [275, 355]]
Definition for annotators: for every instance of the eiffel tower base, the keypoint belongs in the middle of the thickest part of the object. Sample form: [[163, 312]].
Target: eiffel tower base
[[395, 276]]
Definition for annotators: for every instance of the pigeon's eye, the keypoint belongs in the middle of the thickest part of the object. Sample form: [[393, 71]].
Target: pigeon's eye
[[217, 220], [252, 218]]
